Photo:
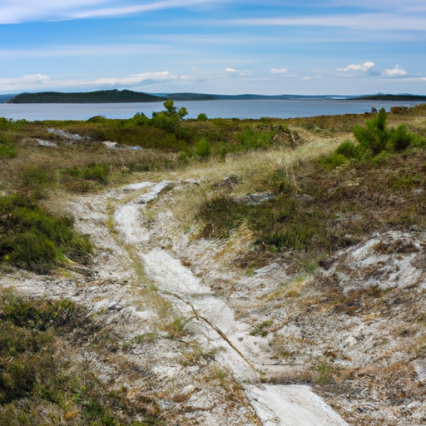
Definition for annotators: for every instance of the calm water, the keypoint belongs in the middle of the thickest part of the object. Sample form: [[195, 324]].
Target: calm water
[[213, 109]]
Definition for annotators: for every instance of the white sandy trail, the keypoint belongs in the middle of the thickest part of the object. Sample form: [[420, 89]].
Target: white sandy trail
[[275, 405]]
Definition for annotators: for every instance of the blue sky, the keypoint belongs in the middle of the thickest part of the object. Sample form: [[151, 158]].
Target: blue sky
[[219, 46]]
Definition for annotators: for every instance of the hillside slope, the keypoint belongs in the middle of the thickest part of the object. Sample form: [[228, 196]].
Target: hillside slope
[[263, 273]]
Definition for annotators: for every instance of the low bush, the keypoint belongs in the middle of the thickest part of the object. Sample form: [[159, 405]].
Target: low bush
[[374, 140], [334, 160], [348, 149], [7, 148], [279, 222], [202, 149], [39, 385], [399, 139], [95, 172], [374, 136], [202, 117], [32, 238], [36, 176], [7, 152], [252, 139]]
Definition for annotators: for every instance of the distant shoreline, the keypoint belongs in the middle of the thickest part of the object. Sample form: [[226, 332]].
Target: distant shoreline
[[128, 97]]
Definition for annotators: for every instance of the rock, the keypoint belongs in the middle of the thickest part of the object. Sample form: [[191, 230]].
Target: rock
[[69, 137], [254, 199], [109, 144], [230, 182], [46, 144]]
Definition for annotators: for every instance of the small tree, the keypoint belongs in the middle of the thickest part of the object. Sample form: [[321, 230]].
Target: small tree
[[170, 107], [182, 112], [202, 117], [374, 136]]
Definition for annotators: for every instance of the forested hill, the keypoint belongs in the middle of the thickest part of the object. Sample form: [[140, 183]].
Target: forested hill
[[384, 97], [98, 97]]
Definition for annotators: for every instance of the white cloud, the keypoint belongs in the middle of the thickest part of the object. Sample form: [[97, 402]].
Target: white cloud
[[17, 11], [25, 80], [415, 79], [127, 10], [370, 21], [231, 70], [133, 79], [38, 81], [364, 67], [396, 72], [279, 71], [108, 50], [307, 78]]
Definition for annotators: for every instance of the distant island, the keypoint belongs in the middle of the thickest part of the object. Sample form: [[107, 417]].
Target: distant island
[[383, 97], [129, 96], [190, 97], [98, 97]]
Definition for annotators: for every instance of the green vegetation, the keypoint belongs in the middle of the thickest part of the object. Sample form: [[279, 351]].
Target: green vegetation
[[96, 172], [259, 330], [202, 149], [387, 97], [101, 96], [39, 384], [281, 222], [374, 139], [311, 212], [202, 117], [32, 238], [324, 374], [7, 149]]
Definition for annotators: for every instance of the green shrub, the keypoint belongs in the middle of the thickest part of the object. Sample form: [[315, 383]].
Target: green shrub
[[202, 117], [299, 231], [374, 136], [251, 139], [32, 238], [97, 119], [166, 121], [399, 139], [324, 375], [375, 143], [279, 222], [36, 176], [7, 152], [259, 330], [348, 149], [202, 149], [333, 161], [185, 155], [95, 172], [37, 315], [418, 141], [39, 385]]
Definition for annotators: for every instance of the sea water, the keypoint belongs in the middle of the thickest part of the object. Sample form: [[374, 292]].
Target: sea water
[[286, 108]]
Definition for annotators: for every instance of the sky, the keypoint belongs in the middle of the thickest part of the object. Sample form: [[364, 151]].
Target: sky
[[314, 47]]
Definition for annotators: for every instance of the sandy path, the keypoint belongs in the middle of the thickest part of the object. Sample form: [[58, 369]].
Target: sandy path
[[215, 325]]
